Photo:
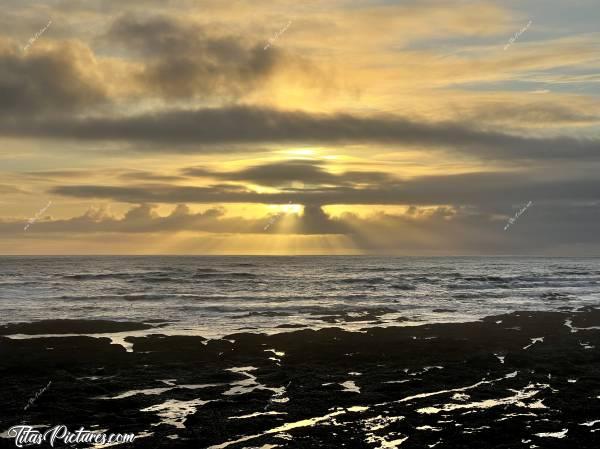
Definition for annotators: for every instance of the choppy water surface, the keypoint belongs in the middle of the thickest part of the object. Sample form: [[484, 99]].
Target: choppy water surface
[[214, 296]]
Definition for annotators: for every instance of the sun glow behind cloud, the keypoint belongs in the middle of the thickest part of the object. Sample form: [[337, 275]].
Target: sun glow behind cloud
[[365, 127]]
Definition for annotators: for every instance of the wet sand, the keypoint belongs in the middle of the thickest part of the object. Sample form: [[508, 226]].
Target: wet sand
[[526, 379]]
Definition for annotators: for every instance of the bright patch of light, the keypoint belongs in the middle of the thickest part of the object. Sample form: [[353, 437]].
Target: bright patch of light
[[301, 152], [294, 209], [288, 208]]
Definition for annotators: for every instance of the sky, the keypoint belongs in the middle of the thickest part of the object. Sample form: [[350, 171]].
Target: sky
[[315, 127]]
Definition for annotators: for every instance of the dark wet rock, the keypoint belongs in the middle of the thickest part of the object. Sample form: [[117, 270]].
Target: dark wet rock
[[492, 383], [589, 319], [369, 315], [182, 345]]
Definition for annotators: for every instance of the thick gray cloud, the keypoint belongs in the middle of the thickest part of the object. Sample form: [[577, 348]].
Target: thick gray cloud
[[48, 82], [287, 172], [316, 221], [182, 59], [239, 124], [140, 219], [485, 189], [143, 219], [542, 229]]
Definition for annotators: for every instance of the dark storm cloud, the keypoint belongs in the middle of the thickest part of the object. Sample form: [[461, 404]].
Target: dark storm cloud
[[252, 125], [162, 35], [182, 59], [535, 113], [316, 221], [488, 190], [286, 172], [53, 81]]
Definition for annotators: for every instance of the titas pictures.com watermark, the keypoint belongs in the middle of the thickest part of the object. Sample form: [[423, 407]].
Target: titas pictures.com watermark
[[278, 216], [37, 395], [27, 435], [517, 215], [276, 36], [36, 36], [517, 34], [37, 216]]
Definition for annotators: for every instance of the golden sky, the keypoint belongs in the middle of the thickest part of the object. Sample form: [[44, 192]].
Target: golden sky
[[285, 127]]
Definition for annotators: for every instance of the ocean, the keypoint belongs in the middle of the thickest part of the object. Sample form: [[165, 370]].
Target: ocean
[[217, 296], [255, 352]]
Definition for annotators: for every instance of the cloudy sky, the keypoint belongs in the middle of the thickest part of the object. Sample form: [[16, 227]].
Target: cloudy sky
[[410, 127]]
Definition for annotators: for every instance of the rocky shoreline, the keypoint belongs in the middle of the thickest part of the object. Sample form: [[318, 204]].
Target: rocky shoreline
[[526, 379]]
